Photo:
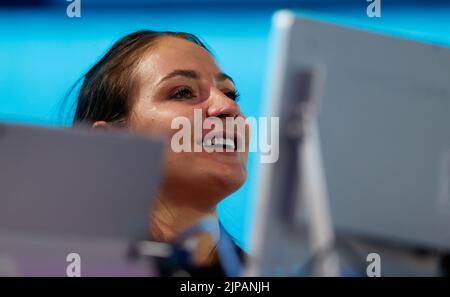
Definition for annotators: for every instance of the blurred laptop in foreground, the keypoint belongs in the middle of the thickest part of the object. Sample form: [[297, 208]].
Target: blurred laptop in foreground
[[72, 196], [366, 118]]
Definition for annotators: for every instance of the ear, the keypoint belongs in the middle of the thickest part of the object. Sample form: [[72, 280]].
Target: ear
[[102, 125]]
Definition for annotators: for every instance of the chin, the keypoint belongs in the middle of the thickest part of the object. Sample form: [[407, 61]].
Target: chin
[[209, 178], [225, 180]]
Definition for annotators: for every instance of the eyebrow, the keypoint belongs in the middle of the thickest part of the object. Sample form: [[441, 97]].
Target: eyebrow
[[193, 75]]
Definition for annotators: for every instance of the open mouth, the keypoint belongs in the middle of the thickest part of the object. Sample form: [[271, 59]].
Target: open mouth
[[220, 143]]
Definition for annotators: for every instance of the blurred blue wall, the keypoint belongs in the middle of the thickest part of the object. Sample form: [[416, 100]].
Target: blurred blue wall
[[43, 52]]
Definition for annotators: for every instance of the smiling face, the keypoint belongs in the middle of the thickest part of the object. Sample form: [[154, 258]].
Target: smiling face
[[175, 78]]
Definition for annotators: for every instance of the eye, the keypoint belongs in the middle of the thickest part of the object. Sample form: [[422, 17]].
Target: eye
[[183, 93], [233, 95]]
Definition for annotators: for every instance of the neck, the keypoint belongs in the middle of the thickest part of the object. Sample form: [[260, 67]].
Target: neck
[[170, 216]]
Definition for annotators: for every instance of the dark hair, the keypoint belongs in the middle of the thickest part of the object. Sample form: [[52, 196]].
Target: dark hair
[[107, 86]]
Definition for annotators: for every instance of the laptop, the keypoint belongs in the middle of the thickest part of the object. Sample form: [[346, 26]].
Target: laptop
[[382, 108], [66, 192]]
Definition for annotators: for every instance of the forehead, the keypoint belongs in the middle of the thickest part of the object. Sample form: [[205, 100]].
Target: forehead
[[175, 53]]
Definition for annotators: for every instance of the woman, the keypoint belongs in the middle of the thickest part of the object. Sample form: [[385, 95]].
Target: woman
[[145, 81]]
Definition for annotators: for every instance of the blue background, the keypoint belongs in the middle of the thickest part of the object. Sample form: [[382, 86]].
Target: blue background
[[43, 52]]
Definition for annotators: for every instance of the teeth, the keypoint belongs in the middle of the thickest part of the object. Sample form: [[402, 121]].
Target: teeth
[[220, 142], [223, 141]]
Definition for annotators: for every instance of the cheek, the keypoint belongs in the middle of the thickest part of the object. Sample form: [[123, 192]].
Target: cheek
[[156, 120]]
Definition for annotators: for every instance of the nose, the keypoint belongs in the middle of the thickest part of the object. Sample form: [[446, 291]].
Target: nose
[[221, 106]]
